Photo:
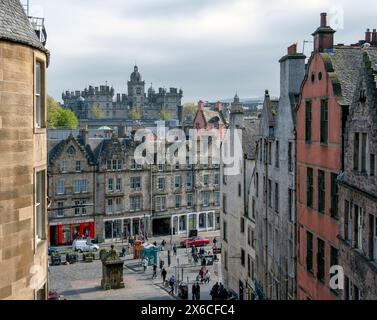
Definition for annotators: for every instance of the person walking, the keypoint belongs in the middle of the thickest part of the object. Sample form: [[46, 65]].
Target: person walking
[[193, 291], [214, 243], [171, 284], [163, 245], [145, 264], [161, 264], [197, 291], [154, 271], [214, 291], [174, 250], [207, 277], [163, 275]]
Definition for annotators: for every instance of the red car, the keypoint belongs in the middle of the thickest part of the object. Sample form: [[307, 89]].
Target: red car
[[195, 241]]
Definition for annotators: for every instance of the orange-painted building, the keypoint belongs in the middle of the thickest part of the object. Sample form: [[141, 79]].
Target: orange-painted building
[[326, 94]]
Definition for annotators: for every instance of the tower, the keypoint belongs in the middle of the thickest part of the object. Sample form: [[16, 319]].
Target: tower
[[136, 88]]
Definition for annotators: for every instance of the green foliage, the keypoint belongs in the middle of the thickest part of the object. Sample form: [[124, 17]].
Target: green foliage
[[189, 109], [136, 113], [59, 117], [96, 112], [165, 115]]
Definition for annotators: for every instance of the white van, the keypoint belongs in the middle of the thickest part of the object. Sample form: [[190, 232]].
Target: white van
[[84, 245]]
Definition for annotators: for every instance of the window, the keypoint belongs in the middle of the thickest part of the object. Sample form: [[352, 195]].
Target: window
[[269, 193], [76, 186], [250, 237], [110, 184], [356, 144], [77, 208], [115, 165], [334, 196], [364, 139], [206, 180], [205, 199], [64, 166], [277, 154], [358, 227], [83, 208], [308, 121], [217, 179], [276, 197], [290, 156], [217, 198], [321, 260], [276, 245], [60, 209], [253, 213], [334, 256], [118, 185], [120, 164], [189, 200], [321, 191], [270, 240], [225, 260], [39, 204], [39, 95], [346, 220], [257, 185], [372, 165], [135, 203], [78, 166], [161, 183], [160, 203], [118, 204], [242, 224], [109, 205], [309, 252], [224, 203], [177, 166], [161, 167], [177, 182], [177, 201], [225, 231], [324, 121], [260, 150], [108, 164], [270, 153], [239, 190], [291, 205], [135, 183], [373, 237], [189, 180], [84, 186], [243, 257], [60, 187]]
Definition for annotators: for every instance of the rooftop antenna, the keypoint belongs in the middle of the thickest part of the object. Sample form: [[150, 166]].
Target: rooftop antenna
[[303, 45]]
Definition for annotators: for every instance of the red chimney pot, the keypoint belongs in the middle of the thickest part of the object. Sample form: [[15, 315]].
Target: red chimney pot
[[292, 49], [374, 37], [368, 36], [323, 19]]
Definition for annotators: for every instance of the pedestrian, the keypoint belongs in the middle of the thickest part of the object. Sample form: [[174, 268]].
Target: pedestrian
[[204, 262], [201, 274], [193, 291], [155, 243], [192, 249], [197, 291], [171, 284], [163, 275], [207, 277], [145, 264], [174, 250], [214, 243], [154, 271], [214, 291], [161, 264]]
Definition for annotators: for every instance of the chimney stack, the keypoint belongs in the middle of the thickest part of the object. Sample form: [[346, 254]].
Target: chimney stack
[[200, 105], [323, 19], [374, 37], [292, 49], [368, 36], [84, 133], [219, 106]]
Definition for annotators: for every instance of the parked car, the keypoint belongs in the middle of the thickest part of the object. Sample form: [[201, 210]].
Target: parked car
[[55, 296], [52, 250], [84, 246], [195, 241]]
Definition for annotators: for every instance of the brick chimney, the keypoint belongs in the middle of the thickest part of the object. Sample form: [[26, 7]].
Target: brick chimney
[[292, 49], [323, 36], [84, 133], [368, 36], [200, 105], [374, 37]]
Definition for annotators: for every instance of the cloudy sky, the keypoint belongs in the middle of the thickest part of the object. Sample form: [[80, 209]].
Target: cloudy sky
[[209, 48]]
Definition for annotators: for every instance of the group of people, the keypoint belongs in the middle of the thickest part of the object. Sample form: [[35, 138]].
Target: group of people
[[218, 292], [204, 275]]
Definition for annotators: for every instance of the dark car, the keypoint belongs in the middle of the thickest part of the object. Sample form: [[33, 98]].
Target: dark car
[[195, 241]]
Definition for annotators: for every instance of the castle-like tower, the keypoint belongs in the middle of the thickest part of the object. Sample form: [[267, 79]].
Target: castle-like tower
[[136, 89]]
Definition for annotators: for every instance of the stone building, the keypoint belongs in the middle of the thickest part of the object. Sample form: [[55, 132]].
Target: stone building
[[327, 98], [237, 221], [23, 170], [123, 198], [273, 190], [358, 187], [102, 103]]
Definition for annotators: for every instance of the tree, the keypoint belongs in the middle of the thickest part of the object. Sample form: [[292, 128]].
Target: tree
[[189, 109], [58, 117], [165, 115], [136, 113], [96, 112]]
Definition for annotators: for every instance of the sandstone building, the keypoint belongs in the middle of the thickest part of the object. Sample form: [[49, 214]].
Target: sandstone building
[[23, 170]]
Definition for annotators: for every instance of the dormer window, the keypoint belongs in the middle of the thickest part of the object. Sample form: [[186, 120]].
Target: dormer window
[[362, 97]]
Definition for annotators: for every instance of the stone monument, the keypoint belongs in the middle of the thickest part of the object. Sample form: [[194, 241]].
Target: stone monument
[[112, 271]]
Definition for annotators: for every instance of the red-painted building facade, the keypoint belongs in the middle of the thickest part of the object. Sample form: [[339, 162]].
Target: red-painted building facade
[[326, 94]]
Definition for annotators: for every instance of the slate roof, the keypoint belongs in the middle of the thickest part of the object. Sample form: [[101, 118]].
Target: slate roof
[[250, 137], [15, 25]]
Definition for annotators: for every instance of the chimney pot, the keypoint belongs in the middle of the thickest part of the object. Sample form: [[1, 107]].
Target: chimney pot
[[368, 36], [323, 19], [201, 105]]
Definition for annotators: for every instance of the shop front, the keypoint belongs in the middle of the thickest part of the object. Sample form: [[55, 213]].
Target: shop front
[[64, 234]]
